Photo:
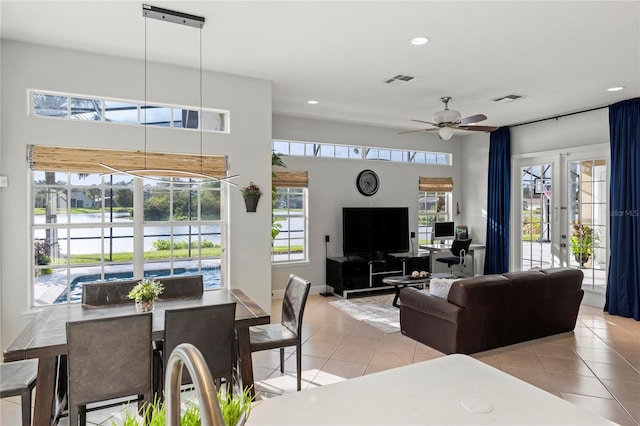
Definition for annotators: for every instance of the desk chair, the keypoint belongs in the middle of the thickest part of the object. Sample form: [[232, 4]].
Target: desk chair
[[108, 358], [459, 250], [211, 329], [289, 331], [18, 378]]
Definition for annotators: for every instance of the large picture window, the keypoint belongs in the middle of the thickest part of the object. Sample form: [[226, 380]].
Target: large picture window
[[89, 227], [434, 205]]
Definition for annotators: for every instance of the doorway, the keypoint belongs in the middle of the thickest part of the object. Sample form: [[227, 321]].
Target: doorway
[[560, 215]]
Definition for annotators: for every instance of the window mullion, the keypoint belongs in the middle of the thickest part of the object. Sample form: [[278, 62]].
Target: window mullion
[[138, 228]]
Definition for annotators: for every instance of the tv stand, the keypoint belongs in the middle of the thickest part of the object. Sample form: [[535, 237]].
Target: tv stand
[[347, 275]]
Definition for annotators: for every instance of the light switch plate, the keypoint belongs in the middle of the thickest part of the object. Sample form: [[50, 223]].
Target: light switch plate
[[3, 182]]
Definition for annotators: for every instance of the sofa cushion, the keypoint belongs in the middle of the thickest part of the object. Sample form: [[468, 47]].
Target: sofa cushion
[[479, 291], [439, 287]]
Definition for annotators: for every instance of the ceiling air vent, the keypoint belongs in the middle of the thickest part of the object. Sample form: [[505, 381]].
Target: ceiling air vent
[[508, 98], [399, 80]]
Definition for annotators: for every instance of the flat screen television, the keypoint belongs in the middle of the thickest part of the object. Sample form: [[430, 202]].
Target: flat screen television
[[444, 230], [375, 231]]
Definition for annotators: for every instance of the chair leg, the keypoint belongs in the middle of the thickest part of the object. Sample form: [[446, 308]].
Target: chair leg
[[299, 365], [26, 407], [73, 415], [282, 360], [83, 415]]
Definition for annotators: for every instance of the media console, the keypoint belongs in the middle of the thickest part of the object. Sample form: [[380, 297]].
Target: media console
[[348, 275]]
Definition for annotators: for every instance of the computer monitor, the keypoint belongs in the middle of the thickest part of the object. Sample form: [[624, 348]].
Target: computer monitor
[[444, 230]]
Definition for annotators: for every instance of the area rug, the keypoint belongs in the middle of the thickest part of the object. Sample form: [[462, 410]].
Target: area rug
[[374, 310]]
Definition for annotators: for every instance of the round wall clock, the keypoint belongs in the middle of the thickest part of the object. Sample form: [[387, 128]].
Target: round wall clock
[[367, 182]]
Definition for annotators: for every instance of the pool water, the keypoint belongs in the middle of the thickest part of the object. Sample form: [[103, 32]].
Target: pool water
[[210, 277]]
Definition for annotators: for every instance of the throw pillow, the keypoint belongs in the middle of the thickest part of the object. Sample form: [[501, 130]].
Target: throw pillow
[[439, 287]]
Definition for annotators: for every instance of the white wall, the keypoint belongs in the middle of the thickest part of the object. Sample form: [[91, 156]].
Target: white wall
[[332, 183], [248, 147]]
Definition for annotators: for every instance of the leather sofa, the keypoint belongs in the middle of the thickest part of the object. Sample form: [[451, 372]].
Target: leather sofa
[[491, 311]]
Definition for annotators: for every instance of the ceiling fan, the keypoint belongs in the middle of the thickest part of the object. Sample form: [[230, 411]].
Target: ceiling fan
[[448, 119]]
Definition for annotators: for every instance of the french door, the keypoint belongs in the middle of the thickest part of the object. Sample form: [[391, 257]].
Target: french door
[[560, 214]]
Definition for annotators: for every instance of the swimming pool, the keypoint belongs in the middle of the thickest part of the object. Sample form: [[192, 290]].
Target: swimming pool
[[210, 277]]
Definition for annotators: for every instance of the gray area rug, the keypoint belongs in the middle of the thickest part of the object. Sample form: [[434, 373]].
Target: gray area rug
[[374, 310]]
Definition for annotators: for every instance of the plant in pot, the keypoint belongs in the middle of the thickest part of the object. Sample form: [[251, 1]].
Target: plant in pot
[[145, 293], [583, 240], [251, 196]]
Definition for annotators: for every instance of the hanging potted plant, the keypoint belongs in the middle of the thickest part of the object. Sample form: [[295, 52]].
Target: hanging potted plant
[[145, 293], [251, 196]]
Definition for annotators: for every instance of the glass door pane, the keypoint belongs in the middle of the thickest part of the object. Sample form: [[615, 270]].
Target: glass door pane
[[536, 217], [587, 189]]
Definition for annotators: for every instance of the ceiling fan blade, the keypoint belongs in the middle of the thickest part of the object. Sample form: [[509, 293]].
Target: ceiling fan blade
[[478, 128], [473, 119], [426, 122], [416, 131]]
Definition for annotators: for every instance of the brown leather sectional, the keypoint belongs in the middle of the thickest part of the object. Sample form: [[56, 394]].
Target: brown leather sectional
[[491, 311]]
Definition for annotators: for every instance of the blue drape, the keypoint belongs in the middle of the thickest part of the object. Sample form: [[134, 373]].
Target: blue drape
[[623, 284], [498, 202]]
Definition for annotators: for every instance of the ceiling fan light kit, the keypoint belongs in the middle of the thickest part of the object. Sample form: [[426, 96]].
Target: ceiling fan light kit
[[447, 120]]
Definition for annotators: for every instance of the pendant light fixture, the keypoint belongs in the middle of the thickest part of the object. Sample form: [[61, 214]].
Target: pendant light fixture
[[151, 173]]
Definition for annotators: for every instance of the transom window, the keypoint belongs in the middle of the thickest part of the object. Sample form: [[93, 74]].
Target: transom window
[[118, 111], [357, 152]]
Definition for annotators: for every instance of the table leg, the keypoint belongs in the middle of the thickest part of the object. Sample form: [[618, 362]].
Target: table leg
[[244, 355], [395, 298], [45, 391]]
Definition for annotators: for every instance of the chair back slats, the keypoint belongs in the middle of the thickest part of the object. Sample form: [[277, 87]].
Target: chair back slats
[[109, 358], [295, 298], [210, 329]]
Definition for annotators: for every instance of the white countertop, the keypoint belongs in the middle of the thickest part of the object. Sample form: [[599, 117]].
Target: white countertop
[[456, 389]]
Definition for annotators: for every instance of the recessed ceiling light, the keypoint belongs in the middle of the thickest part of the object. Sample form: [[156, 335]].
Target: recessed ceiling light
[[615, 89], [419, 41], [313, 102]]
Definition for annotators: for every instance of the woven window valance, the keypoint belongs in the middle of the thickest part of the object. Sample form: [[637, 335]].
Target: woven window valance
[[435, 184], [290, 179], [83, 160]]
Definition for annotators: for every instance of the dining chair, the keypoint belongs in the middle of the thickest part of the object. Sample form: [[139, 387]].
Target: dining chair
[[211, 329], [108, 358], [289, 331], [18, 378]]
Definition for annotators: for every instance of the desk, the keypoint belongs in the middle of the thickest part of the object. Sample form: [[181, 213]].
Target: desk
[[456, 389], [435, 248], [45, 337]]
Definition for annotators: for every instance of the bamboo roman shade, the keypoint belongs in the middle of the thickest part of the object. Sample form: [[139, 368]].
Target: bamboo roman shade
[[290, 179], [435, 184], [83, 160]]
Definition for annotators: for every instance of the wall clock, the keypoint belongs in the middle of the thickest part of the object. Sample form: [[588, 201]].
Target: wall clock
[[367, 182]]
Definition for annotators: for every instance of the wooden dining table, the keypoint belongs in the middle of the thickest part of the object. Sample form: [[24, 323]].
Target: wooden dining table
[[45, 338]]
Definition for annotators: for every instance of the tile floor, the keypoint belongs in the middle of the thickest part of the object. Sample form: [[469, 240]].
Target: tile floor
[[597, 366]]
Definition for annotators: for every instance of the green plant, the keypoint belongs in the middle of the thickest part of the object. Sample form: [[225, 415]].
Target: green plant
[[252, 189], [146, 290], [583, 240], [276, 160], [235, 410]]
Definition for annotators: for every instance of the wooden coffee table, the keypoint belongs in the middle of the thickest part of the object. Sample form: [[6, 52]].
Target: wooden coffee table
[[402, 281]]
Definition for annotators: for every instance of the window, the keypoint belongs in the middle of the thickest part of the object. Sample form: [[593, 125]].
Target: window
[[90, 108], [356, 152], [85, 228], [290, 217], [434, 205]]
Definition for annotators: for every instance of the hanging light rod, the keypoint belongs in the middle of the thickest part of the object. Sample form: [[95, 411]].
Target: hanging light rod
[[172, 16]]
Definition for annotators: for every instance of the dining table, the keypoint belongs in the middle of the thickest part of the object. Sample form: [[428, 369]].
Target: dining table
[[45, 338]]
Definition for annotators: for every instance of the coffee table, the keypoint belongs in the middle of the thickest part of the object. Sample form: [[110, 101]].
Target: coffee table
[[402, 281]]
